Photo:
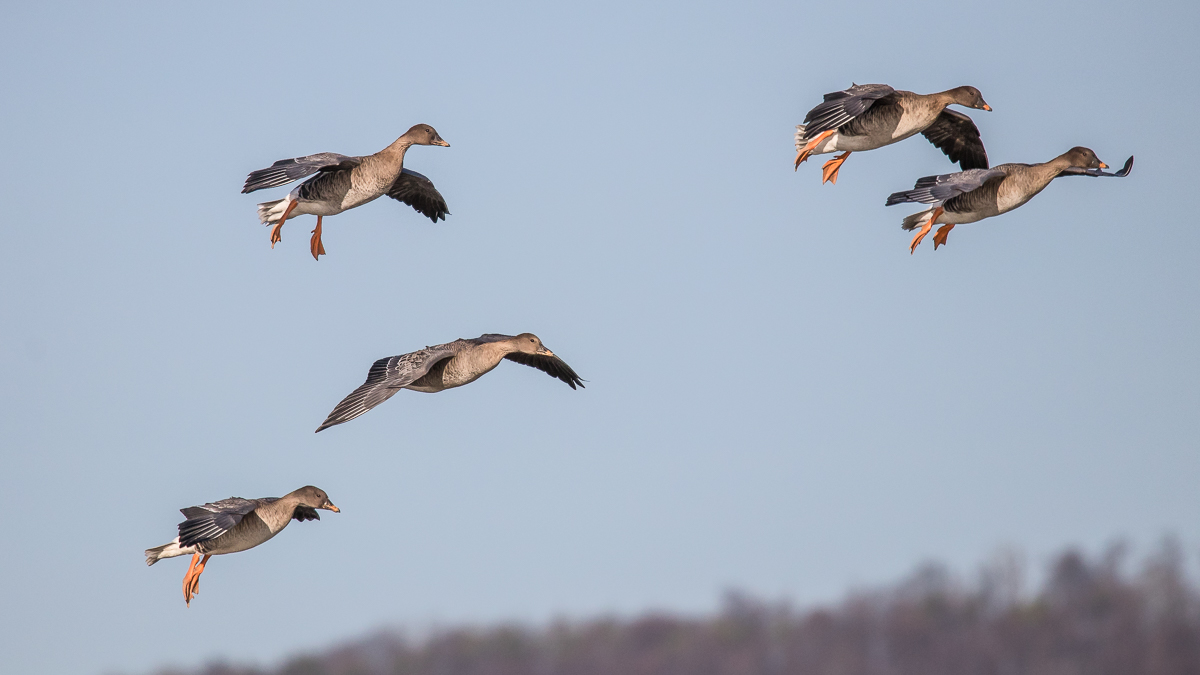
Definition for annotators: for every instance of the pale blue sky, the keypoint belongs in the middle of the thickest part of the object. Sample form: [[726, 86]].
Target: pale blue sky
[[780, 398]]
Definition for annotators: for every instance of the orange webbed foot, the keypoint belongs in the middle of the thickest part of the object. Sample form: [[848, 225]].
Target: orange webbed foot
[[829, 172], [191, 581], [276, 232], [314, 245], [810, 146], [939, 237], [187, 579], [912, 248]]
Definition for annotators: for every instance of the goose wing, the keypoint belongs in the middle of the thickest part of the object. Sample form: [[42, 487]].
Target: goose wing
[[386, 377], [956, 135], [287, 170], [418, 192], [1095, 173], [303, 513], [551, 365], [209, 521], [840, 107], [939, 189]]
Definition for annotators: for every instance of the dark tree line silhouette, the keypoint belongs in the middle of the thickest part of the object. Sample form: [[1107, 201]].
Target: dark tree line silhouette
[[1090, 617]]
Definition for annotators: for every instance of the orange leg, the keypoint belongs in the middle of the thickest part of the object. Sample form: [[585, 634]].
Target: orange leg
[[939, 237], [924, 230], [191, 581], [187, 578], [276, 235], [829, 171], [315, 244], [810, 146]]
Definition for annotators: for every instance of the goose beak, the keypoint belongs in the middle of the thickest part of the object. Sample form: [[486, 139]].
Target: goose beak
[[331, 507], [987, 107], [545, 352], [442, 143], [1103, 165]]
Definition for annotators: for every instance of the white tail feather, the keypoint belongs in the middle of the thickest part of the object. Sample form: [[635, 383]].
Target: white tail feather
[[271, 212], [917, 219], [169, 550]]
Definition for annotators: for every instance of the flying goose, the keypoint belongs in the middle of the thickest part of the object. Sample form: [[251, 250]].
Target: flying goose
[[870, 116], [343, 183], [442, 367], [970, 196], [233, 525]]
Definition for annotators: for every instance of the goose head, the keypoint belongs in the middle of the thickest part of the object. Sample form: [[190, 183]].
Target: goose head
[[314, 498], [1083, 158], [969, 97], [529, 343], [423, 134]]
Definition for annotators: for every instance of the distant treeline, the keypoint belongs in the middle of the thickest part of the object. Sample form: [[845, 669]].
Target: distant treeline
[[1091, 617]]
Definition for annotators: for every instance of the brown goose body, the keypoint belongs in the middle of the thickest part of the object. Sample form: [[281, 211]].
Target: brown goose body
[[1019, 184], [470, 362], [446, 366], [900, 116], [257, 527], [332, 192]]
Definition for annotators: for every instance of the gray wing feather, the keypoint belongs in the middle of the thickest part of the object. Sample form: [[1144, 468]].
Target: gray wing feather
[[287, 170], [840, 107], [938, 189], [490, 337], [386, 377], [212, 520], [418, 192]]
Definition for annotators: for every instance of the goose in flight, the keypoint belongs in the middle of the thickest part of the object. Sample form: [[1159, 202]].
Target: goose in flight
[[233, 525], [869, 116], [442, 367], [342, 183], [970, 196]]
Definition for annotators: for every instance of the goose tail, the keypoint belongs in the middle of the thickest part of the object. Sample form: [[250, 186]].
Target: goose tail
[[168, 550], [271, 212], [917, 219], [800, 142]]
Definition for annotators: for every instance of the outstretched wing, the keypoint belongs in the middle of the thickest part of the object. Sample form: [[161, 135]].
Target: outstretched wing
[[418, 192], [303, 513], [210, 521], [842, 106], [287, 170], [956, 135], [1095, 173], [386, 377], [938, 189], [551, 365]]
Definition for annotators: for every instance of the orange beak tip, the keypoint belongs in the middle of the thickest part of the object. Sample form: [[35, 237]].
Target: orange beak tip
[[1103, 165], [987, 107]]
